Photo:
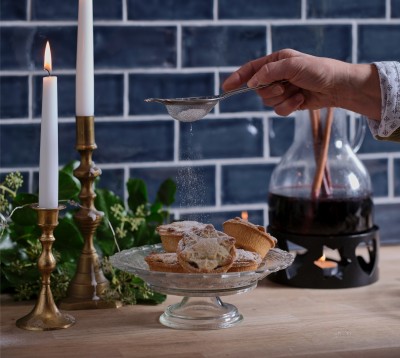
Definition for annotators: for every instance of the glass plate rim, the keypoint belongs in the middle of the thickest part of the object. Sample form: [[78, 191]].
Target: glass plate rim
[[262, 270]]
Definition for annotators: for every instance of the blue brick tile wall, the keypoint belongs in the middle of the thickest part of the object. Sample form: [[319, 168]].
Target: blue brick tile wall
[[142, 86], [396, 177], [14, 97], [67, 10], [387, 36], [346, 9], [222, 139], [170, 10], [395, 7], [195, 184], [13, 10], [246, 183], [256, 9], [174, 48], [323, 40], [218, 45]]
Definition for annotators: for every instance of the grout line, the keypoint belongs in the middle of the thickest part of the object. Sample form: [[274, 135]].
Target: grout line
[[304, 9], [30, 181], [354, 49], [126, 178], [266, 217], [213, 209], [124, 11], [268, 39], [266, 143], [176, 141], [30, 97], [215, 10], [28, 10], [218, 185], [388, 9], [385, 200], [126, 103], [207, 162], [217, 90], [201, 23], [390, 176], [179, 47]]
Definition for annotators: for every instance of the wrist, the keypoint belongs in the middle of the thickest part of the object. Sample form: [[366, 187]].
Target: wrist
[[360, 90]]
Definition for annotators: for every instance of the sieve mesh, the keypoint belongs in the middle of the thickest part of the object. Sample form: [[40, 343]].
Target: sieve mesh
[[189, 112]]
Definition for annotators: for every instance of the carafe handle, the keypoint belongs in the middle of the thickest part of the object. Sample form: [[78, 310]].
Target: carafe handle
[[359, 135]]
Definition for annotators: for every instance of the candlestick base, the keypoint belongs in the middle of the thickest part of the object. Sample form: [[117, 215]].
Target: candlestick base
[[45, 315], [86, 286], [89, 282]]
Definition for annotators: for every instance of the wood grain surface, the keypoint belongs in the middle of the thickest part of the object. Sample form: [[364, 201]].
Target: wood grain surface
[[278, 322]]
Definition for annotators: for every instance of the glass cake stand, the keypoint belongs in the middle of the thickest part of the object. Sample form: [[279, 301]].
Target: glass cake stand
[[201, 306]]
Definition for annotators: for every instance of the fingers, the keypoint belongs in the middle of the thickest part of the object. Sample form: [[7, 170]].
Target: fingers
[[283, 98], [286, 65], [248, 70], [262, 69], [243, 74], [285, 69], [290, 105]]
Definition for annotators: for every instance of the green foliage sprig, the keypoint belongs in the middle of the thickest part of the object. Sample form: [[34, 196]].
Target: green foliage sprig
[[133, 226]]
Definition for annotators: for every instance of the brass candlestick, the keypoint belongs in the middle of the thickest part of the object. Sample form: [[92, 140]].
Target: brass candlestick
[[45, 315], [89, 283]]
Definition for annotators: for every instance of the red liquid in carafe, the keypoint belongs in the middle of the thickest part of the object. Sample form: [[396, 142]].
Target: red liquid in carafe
[[323, 216]]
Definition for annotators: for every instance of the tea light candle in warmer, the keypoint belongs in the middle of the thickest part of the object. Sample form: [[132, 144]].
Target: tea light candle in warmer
[[328, 267], [48, 166], [84, 101]]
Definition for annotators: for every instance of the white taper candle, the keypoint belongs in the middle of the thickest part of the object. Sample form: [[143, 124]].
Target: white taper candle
[[48, 166], [84, 61]]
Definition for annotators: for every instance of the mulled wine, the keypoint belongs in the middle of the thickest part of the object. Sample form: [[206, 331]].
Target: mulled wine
[[322, 216]]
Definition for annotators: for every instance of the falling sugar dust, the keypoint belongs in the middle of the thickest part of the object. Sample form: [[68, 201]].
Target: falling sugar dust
[[190, 180]]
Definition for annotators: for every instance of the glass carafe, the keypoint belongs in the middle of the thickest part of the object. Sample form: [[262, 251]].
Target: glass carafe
[[342, 204]]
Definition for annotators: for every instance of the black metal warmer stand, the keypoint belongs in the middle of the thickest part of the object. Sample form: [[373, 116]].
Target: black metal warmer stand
[[353, 270]]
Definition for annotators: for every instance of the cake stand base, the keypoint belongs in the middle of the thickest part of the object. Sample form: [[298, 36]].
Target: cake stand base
[[201, 313]]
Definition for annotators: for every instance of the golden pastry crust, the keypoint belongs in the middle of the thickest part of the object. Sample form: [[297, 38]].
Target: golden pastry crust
[[170, 234], [245, 261], [249, 237], [210, 253], [164, 262]]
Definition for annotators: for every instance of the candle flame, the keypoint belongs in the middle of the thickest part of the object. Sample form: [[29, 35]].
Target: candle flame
[[47, 58], [322, 258], [245, 215]]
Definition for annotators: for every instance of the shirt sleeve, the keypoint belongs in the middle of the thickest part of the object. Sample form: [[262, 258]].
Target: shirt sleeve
[[388, 128]]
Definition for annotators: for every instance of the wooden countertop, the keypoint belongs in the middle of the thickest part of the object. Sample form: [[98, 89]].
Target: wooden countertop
[[278, 322]]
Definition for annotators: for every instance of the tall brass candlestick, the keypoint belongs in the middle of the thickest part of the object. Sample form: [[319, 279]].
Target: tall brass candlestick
[[89, 282], [45, 315]]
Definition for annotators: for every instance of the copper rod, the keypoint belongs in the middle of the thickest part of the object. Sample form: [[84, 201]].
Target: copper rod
[[319, 175]]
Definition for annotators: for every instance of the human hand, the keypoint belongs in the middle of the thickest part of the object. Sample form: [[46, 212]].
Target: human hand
[[312, 82]]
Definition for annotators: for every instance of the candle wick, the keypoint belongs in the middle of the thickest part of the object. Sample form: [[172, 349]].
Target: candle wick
[[48, 72]]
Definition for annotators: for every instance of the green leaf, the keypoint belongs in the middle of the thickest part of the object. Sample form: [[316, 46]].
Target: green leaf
[[70, 167], [166, 192], [137, 193], [105, 199], [69, 240], [26, 215], [69, 186], [20, 246]]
